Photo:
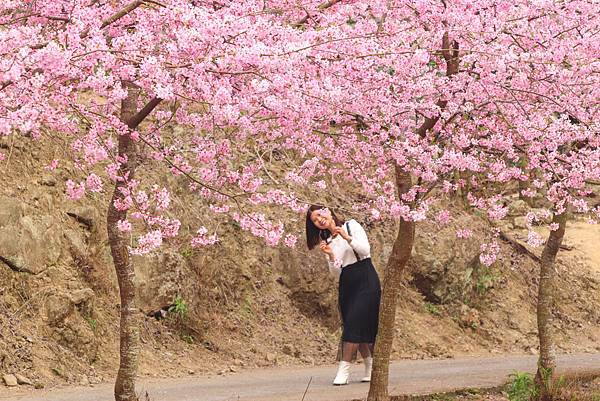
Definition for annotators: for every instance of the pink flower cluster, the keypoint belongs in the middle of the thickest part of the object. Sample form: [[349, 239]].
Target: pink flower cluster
[[202, 239], [468, 97]]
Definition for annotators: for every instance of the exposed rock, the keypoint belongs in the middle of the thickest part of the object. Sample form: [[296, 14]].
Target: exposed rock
[[30, 244], [83, 299], [287, 349], [76, 333], [10, 380], [48, 180], [84, 381], [518, 207], [159, 279], [11, 211], [520, 222], [469, 317], [58, 307], [86, 215], [82, 296], [312, 297], [23, 380], [75, 241]]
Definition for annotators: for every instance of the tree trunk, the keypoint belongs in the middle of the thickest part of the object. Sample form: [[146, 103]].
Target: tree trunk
[[119, 241], [547, 359], [401, 251]]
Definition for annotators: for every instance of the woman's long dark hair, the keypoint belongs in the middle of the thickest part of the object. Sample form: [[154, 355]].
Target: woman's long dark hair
[[314, 235]]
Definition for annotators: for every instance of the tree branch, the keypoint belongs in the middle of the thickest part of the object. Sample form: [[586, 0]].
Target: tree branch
[[134, 121], [452, 62], [321, 7], [115, 17]]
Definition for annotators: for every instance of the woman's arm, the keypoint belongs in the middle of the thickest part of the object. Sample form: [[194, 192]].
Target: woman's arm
[[335, 267], [359, 242]]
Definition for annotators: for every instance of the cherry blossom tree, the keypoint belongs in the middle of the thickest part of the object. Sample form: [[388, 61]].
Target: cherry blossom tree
[[497, 92], [90, 73], [409, 101]]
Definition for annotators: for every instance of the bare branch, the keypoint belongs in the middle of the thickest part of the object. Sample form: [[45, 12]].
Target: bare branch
[[115, 17], [321, 7], [134, 121]]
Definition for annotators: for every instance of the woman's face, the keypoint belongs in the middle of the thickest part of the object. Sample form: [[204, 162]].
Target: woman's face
[[321, 218]]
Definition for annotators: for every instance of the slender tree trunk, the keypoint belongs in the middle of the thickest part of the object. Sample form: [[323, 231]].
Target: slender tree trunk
[[401, 251], [545, 318], [119, 241]]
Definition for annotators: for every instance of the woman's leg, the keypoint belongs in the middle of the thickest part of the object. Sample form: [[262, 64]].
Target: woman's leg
[[348, 351], [365, 350], [343, 373]]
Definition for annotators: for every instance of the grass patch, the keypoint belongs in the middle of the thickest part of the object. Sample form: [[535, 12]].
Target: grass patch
[[432, 308]]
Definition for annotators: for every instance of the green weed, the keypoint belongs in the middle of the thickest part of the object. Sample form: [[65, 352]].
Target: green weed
[[179, 307], [432, 308], [521, 387]]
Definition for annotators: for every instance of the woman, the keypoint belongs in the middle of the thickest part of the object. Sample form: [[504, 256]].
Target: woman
[[349, 257]]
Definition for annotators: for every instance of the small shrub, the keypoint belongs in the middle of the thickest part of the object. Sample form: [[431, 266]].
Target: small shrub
[[521, 387], [554, 387], [187, 338], [179, 307], [485, 281], [186, 252], [432, 308], [92, 322]]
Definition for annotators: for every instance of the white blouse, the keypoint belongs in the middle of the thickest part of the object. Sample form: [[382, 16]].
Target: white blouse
[[343, 251]]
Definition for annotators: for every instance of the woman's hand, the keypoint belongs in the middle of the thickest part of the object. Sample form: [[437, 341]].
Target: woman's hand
[[326, 248], [342, 232]]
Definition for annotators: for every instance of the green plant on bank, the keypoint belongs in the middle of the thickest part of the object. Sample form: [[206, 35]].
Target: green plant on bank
[[443, 397], [187, 338], [179, 307], [521, 387], [484, 281], [92, 322], [432, 308], [246, 307], [187, 252], [552, 386]]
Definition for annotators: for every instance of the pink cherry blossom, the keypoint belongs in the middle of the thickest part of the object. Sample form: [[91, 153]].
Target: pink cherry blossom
[[124, 225], [251, 97], [202, 239], [93, 183], [290, 240], [464, 233], [75, 191], [52, 166]]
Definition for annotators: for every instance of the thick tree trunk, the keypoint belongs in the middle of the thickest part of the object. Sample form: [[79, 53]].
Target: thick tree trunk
[[545, 318], [119, 241], [401, 252]]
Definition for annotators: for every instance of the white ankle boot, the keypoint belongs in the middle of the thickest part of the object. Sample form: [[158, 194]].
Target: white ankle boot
[[368, 368], [343, 374]]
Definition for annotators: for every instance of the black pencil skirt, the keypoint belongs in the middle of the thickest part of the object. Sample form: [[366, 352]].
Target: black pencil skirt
[[359, 297]]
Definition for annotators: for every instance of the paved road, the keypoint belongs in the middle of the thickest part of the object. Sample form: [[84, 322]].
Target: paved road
[[289, 384]]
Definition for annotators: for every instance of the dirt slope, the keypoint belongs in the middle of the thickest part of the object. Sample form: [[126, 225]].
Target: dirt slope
[[249, 305]]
